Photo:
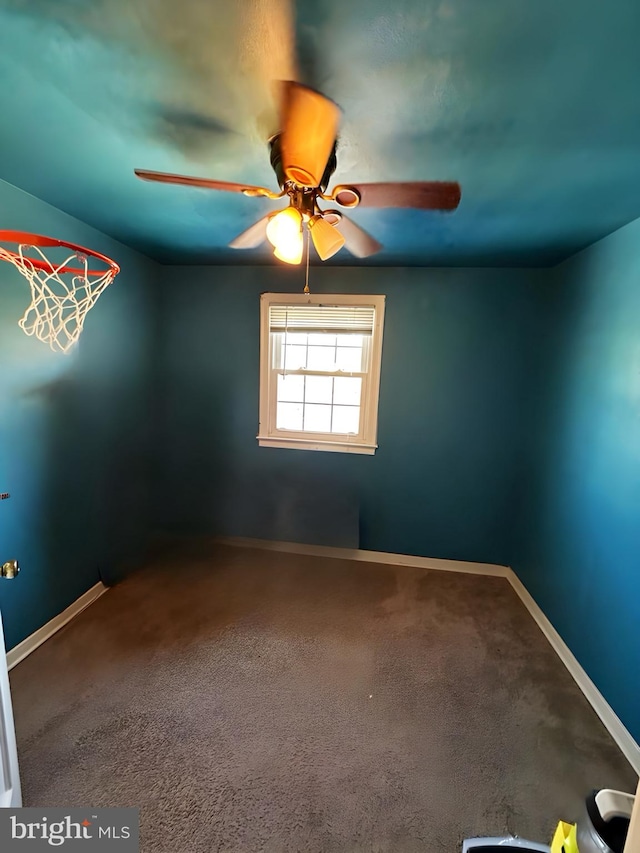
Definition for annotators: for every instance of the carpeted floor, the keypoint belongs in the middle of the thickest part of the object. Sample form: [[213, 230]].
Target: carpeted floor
[[254, 701]]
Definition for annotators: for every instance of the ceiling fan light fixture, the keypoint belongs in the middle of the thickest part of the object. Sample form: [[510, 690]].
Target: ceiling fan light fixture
[[309, 129], [300, 176], [333, 217], [326, 237], [346, 196], [303, 157], [289, 255], [284, 232]]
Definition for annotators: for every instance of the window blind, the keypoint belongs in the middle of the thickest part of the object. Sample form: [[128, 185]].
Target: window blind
[[334, 319]]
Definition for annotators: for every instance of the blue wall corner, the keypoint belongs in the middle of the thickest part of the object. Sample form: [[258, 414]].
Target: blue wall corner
[[579, 543], [74, 432]]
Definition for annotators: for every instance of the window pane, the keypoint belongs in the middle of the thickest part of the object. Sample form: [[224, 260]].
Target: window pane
[[321, 358], [346, 419], [350, 340], [322, 340], [319, 389], [317, 418], [296, 357], [295, 338], [347, 390], [349, 359], [290, 388], [289, 416]]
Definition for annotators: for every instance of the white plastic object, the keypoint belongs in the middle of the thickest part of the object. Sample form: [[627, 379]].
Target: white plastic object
[[614, 804], [10, 796], [508, 843]]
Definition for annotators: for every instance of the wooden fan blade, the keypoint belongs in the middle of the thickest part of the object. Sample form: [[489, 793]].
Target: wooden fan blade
[[204, 183], [309, 129], [254, 236], [356, 239], [424, 195]]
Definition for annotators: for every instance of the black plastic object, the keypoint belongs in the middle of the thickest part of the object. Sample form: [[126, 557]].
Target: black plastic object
[[612, 832], [502, 845]]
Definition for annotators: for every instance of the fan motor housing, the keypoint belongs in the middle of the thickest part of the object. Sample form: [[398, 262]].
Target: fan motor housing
[[276, 164]]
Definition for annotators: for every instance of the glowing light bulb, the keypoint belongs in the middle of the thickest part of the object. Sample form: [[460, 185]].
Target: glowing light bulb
[[284, 232]]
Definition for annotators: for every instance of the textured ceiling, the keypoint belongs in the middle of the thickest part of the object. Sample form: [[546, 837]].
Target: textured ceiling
[[531, 104]]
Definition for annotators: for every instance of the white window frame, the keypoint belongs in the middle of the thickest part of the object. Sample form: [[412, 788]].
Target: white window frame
[[366, 440]]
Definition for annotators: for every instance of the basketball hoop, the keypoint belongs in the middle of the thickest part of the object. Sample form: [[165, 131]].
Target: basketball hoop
[[65, 285]]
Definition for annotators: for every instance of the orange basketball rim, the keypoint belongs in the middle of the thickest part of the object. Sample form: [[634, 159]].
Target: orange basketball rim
[[65, 280]]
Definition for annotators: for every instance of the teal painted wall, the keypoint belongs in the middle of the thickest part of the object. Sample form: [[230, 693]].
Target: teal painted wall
[[579, 546], [75, 432], [454, 370], [509, 432]]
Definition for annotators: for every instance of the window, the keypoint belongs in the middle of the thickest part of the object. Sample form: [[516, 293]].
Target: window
[[320, 371]]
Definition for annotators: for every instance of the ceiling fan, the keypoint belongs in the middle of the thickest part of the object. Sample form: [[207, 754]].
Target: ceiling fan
[[303, 157]]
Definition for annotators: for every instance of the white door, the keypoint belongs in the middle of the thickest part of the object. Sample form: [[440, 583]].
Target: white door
[[10, 795]]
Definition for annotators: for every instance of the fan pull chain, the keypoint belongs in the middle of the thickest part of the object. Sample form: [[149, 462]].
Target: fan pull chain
[[306, 280]]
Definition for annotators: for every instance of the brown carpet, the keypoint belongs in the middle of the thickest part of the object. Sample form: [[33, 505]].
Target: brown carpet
[[255, 701]]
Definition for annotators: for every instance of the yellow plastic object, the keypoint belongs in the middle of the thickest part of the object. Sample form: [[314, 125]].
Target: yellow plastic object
[[564, 839]]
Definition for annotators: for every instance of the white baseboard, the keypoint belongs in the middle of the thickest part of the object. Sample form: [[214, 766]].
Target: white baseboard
[[629, 747], [387, 558], [31, 643], [615, 727]]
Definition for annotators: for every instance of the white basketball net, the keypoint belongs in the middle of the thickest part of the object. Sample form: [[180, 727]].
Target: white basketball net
[[59, 300]]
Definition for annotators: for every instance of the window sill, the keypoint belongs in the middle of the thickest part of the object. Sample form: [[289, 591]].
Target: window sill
[[314, 444]]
